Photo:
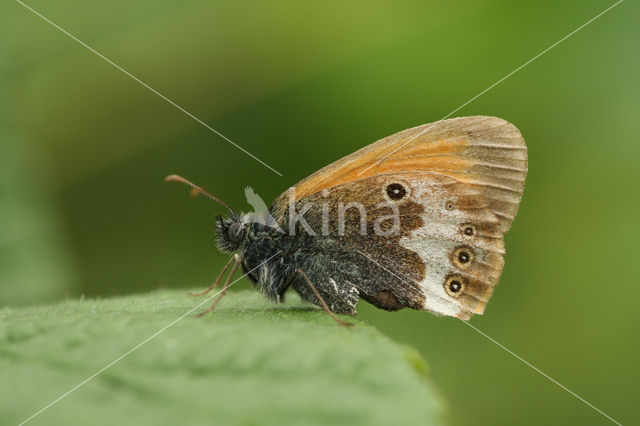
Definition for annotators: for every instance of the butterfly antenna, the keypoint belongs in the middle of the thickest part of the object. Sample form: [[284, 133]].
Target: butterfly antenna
[[195, 190]]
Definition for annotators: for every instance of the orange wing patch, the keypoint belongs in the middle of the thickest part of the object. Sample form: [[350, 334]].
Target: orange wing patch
[[486, 152]]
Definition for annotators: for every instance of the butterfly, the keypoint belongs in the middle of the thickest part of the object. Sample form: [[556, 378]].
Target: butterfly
[[414, 220]]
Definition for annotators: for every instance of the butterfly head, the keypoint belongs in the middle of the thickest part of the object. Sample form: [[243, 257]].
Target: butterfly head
[[230, 232]]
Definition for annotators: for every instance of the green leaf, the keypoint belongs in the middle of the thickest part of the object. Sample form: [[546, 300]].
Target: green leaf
[[249, 362]]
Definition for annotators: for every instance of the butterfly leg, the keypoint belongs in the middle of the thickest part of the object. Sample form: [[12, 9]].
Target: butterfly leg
[[225, 287], [318, 296], [212, 286]]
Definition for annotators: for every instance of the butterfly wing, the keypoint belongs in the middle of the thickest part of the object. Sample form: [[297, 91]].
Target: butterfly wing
[[486, 152], [456, 185]]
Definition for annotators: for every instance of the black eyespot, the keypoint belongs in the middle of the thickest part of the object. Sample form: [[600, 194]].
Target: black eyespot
[[469, 231], [396, 191], [449, 205], [461, 257], [454, 286]]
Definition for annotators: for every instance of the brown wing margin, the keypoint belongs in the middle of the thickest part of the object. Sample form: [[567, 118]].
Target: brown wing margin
[[486, 152]]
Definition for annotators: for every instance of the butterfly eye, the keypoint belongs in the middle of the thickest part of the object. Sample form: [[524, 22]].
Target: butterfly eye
[[462, 257], [396, 191], [235, 229], [454, 286]]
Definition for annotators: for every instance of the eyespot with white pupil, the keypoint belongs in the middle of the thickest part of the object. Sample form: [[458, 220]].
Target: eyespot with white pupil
[[462, 257], [468, 230], [454, 286], [396, 191]]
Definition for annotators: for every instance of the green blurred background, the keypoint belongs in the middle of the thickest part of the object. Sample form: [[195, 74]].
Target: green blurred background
[[84, 149]]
